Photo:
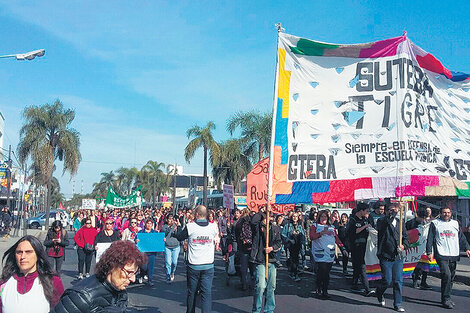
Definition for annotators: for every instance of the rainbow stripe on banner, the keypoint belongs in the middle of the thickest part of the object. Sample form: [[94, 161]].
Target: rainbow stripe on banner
[[414, 256]]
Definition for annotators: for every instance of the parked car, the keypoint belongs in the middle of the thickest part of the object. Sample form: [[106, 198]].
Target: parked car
[[40, 220]]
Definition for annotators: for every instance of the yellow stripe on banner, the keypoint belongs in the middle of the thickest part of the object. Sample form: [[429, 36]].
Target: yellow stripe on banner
[[284, 83]]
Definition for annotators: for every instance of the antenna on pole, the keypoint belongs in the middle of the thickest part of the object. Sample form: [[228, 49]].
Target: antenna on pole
[[279, 27]]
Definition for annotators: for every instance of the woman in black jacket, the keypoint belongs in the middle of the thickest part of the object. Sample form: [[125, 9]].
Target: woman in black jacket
[[55, 242], [106, 290]]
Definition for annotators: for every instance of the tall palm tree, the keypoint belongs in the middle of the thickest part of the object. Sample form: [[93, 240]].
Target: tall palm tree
[[152, 171], [255, 131], [47, 136], [202, 138], [232, 166]]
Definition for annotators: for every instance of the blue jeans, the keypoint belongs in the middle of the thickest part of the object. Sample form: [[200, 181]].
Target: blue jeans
[[171, 259], [149, 267], [261, 285], [392, 273], [203, 280]]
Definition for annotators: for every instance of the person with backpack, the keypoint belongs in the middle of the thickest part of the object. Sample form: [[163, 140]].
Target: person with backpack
[[244, 238]]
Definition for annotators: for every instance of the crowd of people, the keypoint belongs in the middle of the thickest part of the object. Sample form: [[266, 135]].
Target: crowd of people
[[309, 242]]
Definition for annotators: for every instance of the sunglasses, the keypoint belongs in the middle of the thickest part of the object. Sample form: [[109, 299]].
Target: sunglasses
[[88, 223], [109, 223]]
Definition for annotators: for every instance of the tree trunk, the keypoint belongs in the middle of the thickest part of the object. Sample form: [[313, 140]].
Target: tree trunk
[[153, 192], [48, 201], [204, 188], [260, 151]]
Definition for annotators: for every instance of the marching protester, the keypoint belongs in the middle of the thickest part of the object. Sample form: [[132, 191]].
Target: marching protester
[[264, 288], [172, 246], [28, 282], [107, 235], [244, 237], [147, 269], [343, 237], [389, 252], [85, 241], [130, 233], [419, 271], [324, 238], [445, 240], [378, 212], [106, 290], [77, 223], [203, 238], [358, 231], [55, 243], [294, 239]]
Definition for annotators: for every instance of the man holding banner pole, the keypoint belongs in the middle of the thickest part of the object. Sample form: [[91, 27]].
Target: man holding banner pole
[[391, 243], [266, 242], [446, 240]]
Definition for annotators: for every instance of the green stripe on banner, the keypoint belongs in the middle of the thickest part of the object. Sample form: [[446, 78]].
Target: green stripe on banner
[[464, 192], [313, 48]]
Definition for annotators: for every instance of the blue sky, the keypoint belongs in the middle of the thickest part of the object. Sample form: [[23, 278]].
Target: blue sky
[[139, 73]]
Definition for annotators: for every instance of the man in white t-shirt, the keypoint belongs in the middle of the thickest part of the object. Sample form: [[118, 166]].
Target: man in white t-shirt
[[203, 238], [446, 240]]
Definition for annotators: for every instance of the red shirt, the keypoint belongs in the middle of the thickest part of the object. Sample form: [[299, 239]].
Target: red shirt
[[85, 235]]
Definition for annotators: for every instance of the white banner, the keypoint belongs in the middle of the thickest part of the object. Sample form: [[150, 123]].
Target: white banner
[[88, 204], [381, 116], [228, 197]]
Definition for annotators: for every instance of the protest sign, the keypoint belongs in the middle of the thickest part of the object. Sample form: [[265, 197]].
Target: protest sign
[[151, 242]]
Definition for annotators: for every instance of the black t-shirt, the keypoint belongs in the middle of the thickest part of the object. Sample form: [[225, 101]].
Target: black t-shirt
[[361, 237]]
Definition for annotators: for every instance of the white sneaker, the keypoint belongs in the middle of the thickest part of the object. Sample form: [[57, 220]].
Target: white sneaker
[[146, 277], [382, 302], [141, 280], [80, 276], [87, 275], [172, 277]]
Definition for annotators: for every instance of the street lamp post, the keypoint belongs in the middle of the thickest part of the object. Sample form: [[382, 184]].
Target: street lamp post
[[25, 56]]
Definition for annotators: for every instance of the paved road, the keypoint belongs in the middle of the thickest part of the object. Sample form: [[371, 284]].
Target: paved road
[[290, 296]]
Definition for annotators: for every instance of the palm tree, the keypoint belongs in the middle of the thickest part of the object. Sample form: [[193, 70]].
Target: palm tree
[[56, 196], [45, 137], [153, 173], [100, 189], [255, 131], [127, 178], [202, 138], [232, 166]]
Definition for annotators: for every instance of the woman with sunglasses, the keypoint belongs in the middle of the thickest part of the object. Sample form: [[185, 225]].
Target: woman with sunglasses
[[130, 233], [105, 237], [85, 241], [106, 290], [55, 243]]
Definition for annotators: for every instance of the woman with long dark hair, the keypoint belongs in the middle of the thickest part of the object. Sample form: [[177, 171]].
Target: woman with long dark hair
[[28, 282], [343, 236], [106, 290], [324, 237], [55, 242], [293, 236]]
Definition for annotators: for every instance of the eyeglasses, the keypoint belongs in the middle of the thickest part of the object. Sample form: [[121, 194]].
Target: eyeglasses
[[128, 273], [109, 223], [133, 222]]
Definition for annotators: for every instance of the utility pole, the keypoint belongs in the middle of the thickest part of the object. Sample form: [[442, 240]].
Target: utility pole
[[9, 177]]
